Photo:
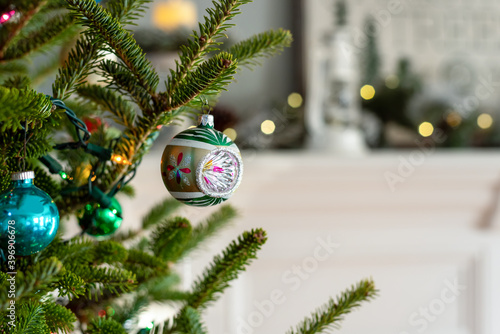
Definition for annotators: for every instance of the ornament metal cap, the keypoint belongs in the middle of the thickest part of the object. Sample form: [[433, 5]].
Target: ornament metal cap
[[19, 176], [206, 120]]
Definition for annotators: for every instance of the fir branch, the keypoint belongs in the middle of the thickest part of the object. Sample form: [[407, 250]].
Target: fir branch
[[205, 40], [144, 265], [127, 10], [120, 77], [39, 38], [77, 251], [130, 309], [113, 279], [226, 268], [45, 182], [263, 45], [22, 105], [36, 279], [110, 252], [122, 43], [10, 31], [31, 320], [85, 55], [214, 224], [189, 322], [160, 211], [13, 67], [328, 316], [70, 285], [122, 236], [17, 81], [77, 66], [165, 288], [103, 325], [169, 239], [120, 108], [208, 79], [59, 318]]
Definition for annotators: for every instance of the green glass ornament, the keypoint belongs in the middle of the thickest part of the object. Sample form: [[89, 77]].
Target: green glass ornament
[[201, 166], [100, 221], [29, 218]]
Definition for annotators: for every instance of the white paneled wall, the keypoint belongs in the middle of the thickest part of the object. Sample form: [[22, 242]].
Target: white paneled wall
[[432, 245]]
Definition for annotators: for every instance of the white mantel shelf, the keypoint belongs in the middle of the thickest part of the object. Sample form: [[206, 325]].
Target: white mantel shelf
[[439, 225]]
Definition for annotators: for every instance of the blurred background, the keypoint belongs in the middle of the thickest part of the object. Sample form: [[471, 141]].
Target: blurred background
[[369, 150]]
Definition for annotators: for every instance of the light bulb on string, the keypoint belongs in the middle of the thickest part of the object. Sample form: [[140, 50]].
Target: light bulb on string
[[120, 159], [9, 15]]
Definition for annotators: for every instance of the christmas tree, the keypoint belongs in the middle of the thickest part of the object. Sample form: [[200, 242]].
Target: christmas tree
[[101, 283]]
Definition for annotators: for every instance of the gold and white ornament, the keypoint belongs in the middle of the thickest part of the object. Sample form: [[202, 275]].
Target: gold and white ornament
[[201, 166]]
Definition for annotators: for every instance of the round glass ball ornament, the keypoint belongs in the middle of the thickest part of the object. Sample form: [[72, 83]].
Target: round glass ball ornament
[[29, 218], [99, 220], [201, 166]]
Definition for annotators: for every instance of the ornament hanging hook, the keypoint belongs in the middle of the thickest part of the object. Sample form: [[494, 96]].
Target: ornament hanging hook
[[205, 106]]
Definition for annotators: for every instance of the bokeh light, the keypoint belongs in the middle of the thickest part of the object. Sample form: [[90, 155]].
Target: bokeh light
[[392, 82], [295, 100], [267, 127], [485, 121], [173, 14], [426, 129], [231, 133], [454, 119], [367, 92]]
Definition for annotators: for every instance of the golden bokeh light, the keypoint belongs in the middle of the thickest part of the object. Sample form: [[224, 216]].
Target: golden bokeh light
[[485, 121], [173, 14], [454, 119], [267, 127], [295, 100], [231, 133], [367, 92], [426, 129]]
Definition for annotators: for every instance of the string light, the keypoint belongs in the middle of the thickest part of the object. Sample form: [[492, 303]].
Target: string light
[[65, 176], [5, 17], [119, 159], [54, 167]]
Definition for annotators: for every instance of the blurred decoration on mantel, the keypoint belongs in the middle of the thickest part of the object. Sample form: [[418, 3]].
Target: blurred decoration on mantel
[[424, 71], [279, 125], [170, 15], [172, 21], [333, 111]]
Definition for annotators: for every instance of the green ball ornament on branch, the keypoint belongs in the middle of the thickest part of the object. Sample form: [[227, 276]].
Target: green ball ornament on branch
[[101, 218], [201, 166], [29, 218]]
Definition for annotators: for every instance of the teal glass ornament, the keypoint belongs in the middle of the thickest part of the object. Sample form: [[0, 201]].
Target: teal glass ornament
[[29, 218], [100, 221]]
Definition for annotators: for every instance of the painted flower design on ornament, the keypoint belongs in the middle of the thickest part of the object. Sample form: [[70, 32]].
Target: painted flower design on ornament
[[178, 168]]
